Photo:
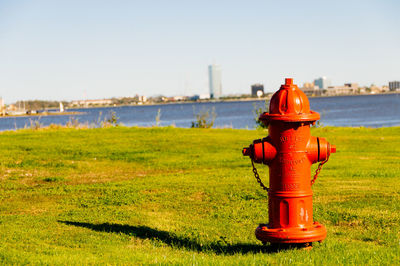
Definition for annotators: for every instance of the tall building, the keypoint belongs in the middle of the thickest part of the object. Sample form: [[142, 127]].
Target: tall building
[[394, 85], [257, 90], [214, 78], [322, 83]]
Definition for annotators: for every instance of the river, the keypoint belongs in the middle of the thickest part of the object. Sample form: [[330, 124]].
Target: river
[[348, 111]]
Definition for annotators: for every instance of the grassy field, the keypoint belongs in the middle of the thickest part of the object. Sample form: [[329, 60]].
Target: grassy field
[[187, 196]]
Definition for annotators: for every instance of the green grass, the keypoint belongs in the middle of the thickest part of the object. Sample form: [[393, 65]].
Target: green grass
[[186, 196]]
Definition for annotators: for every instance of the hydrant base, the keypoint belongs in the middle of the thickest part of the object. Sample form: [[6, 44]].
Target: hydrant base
[[314, 233]]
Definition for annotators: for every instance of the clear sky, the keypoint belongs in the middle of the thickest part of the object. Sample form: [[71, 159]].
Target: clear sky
[[65, 50]]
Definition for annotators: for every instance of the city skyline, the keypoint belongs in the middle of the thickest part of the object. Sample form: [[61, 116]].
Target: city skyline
[[59, 51], [214, 70]]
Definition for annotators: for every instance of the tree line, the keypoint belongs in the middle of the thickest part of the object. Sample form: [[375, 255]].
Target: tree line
[[39, 105]]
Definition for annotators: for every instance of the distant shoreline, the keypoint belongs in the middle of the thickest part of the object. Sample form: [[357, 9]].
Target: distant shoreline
[[248, 99], [43, 114], [225, 100]]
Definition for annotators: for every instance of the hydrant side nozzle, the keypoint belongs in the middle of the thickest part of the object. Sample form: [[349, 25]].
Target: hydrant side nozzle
[[312, 149], [263, 151]]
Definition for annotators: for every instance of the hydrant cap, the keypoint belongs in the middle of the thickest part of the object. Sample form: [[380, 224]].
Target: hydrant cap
[[289, 104]]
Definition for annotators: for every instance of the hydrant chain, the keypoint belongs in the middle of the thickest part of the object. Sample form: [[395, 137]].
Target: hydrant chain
[[257, 176], [318, 171]]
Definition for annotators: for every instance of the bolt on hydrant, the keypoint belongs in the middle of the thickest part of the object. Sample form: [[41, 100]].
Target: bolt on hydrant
[[289, 151]]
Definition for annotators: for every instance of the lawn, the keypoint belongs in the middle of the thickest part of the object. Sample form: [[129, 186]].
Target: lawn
[[186, 196]]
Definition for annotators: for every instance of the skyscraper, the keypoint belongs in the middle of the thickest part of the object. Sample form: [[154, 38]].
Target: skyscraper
[[257, 89], [394, 85], [322, 83], [214, 78]]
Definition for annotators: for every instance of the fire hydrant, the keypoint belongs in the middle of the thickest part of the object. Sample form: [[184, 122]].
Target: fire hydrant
[[289, 151]]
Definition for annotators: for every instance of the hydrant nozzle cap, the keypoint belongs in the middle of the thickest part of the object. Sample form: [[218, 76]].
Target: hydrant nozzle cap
[[246, 151], [289, 104], [333, 148]]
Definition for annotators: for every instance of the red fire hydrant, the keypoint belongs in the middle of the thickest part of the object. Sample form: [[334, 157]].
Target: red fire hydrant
[[289, 151]]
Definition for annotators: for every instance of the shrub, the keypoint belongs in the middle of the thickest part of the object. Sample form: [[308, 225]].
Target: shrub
[[257, 112], [203, 119]]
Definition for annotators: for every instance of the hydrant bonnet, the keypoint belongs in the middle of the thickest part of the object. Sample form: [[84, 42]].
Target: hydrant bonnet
[[289, 104]]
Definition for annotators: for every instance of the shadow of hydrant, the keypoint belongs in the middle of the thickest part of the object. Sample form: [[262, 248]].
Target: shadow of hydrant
[[171, 239]]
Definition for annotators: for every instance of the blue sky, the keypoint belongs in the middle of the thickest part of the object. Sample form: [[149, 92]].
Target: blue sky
[[64, 50]]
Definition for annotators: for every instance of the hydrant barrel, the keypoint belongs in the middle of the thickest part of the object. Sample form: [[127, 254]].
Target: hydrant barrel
[[289, 151]]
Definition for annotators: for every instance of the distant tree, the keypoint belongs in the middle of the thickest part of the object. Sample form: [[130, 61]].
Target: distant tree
[[39, 104]]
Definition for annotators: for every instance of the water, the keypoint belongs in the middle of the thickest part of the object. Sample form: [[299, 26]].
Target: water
[[353, 111]]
